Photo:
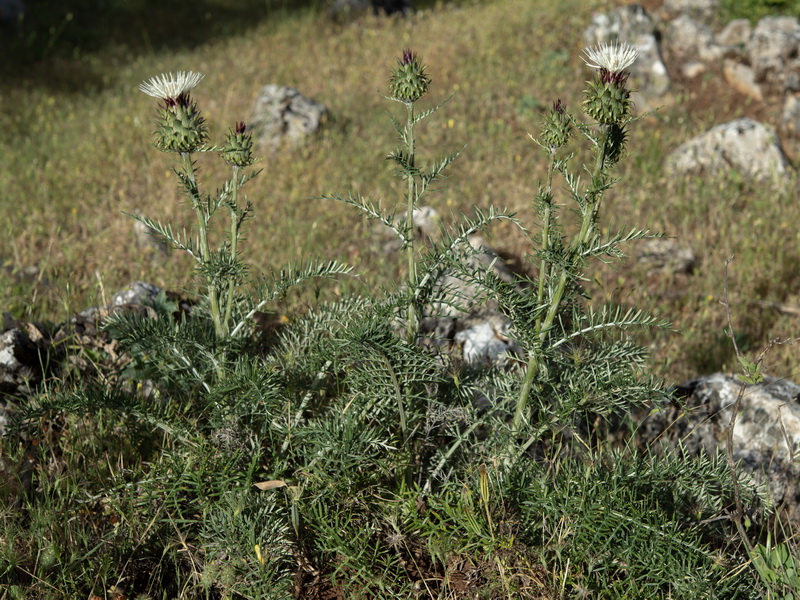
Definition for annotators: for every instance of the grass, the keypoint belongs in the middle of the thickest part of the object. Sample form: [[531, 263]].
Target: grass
[[504, 63], [159, 488]]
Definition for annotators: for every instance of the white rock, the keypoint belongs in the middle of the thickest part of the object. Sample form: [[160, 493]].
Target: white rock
[[743, 145]]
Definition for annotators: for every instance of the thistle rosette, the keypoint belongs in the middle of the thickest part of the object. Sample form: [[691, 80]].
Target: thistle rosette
[[607, 99], [180, 127], [557, 127], [238, 149], [408, 81]]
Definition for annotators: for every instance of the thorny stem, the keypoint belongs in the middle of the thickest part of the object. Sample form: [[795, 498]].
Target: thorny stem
[[411, 200], [202, 220], [590, 211], [545, 232], [235, 222]]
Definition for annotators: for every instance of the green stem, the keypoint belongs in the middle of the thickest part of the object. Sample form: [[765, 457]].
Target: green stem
[[545, 234], [234, 242], [410, 202], [202, 221], [588, 227]]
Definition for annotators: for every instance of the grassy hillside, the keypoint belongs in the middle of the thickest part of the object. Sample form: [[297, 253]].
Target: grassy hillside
[[76, 154], [382, 472]]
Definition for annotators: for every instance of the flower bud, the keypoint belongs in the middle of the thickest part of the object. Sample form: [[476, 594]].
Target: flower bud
[[180, 127], [408, 81], [238, 149], [557, 127]]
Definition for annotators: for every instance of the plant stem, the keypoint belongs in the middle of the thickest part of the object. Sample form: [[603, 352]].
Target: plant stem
[[590, 211], [548, 195], [202, 220], [235, 222], [410, 202]]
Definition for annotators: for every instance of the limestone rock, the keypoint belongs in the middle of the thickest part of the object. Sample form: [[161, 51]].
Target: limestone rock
[[460, 296], [633, 25], [774, 50], [766, 436], [667, 255], [742, 78], [688, 39], [481, 337], [284, 114], [704, 11], [743, 145], [485, 338], [140, 293], [21, 361], [735, 33]]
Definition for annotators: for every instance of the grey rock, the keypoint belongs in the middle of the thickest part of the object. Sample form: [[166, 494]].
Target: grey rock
[[667, 255], [704, 11], [766, 435], [148, 242], [459, 297], [790, 116], [742, 78], [687, 39], [735, 33], [140, 293], [426, 225], [693, 68], [633, 25], [773, 49], [485, 338], [743, 145], [426, 221], [284, 114], [21, 363]]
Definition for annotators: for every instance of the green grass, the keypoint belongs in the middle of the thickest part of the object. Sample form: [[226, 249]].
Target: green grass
[[141, 496], [78, 153]]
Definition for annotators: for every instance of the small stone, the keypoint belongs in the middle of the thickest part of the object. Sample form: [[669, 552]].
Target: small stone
[[284, 114], [742, 79], [140, 293], [693, 69], [667, 255], [485, 339], [790, 116]]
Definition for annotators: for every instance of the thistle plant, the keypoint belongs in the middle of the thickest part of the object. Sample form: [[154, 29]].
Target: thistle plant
[[181, 129], [562, 265], [408, 83]]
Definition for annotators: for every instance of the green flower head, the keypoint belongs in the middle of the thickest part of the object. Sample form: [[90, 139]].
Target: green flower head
[[408, 81]]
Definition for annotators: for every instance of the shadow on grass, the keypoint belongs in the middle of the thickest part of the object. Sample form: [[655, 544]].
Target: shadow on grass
[[47, 46]]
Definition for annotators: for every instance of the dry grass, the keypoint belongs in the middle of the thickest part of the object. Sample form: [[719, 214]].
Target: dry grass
[[76, 153]]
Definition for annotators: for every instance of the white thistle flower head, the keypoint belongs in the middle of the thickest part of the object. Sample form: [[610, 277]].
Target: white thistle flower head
[[614, 57], [169, 86]]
